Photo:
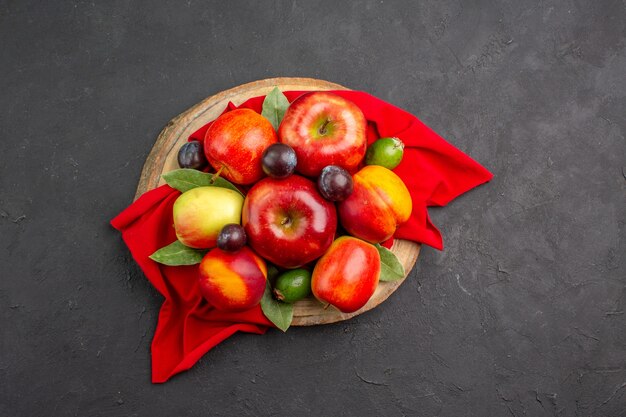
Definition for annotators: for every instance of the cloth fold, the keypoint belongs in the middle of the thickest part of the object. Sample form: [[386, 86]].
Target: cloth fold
[[434, 171]]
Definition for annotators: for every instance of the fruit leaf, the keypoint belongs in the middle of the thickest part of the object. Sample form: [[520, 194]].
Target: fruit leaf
[[390, 267], [185, 179], [274, 107], [279, 313], [178, 254]]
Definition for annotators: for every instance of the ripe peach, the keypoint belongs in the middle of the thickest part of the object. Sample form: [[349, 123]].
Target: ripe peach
[[232, 281], [347, 275], [379, 203]]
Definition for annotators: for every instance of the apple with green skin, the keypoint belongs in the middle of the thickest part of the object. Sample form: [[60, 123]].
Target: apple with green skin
[[347, 275], [235, 142], [324, 129], [200, 214], [287, 221], [232, 281]]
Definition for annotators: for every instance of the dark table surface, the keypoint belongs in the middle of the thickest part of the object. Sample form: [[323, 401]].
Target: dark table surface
[[523, 313]]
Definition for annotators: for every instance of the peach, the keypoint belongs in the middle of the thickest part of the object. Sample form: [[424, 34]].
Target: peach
[[379, 203], [232, 281], [347, 275]]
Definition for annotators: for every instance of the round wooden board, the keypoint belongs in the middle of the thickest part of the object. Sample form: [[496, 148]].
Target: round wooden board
[[162, 159]]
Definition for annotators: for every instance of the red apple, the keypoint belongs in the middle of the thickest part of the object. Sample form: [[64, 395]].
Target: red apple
[[287, 221], [235, 143], [324, 129], [347, 275]]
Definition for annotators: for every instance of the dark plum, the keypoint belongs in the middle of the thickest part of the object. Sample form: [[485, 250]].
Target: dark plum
[[279, 160], [191, 155], [232, 237], [335, 183]]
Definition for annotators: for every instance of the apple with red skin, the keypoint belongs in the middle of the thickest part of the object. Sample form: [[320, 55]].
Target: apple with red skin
[[287, 221], [324, 129], [235, 142]]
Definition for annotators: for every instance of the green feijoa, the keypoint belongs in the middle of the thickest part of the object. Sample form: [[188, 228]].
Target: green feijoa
[[386, 152], [293, 285]]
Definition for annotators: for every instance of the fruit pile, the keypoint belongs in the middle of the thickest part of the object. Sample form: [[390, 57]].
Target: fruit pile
[[318, 202]]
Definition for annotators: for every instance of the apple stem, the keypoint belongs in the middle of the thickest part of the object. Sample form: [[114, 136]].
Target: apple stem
[[322, 129], [278, 295], [217, 174], [326, 306]]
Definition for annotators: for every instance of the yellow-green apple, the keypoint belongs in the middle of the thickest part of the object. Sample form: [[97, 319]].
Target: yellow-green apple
[[324, 129], [379, 203], [347, 275], [287, 221], [200, 214], [232, 281], [235, 143]]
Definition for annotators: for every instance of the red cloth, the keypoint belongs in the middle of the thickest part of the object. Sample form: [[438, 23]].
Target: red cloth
[[434, 171]]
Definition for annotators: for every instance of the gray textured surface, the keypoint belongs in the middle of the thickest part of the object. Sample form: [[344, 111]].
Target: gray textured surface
[[522, 314]]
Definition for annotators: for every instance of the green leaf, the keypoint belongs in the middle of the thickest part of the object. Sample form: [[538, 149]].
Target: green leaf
[[178, 254], [185, 179], [274, 107], [390, 267], [279, 313]]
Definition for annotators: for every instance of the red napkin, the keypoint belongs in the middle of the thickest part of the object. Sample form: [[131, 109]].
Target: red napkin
[[434, 171]]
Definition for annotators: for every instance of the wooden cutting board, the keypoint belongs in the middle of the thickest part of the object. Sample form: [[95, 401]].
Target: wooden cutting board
[[162, 158]]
